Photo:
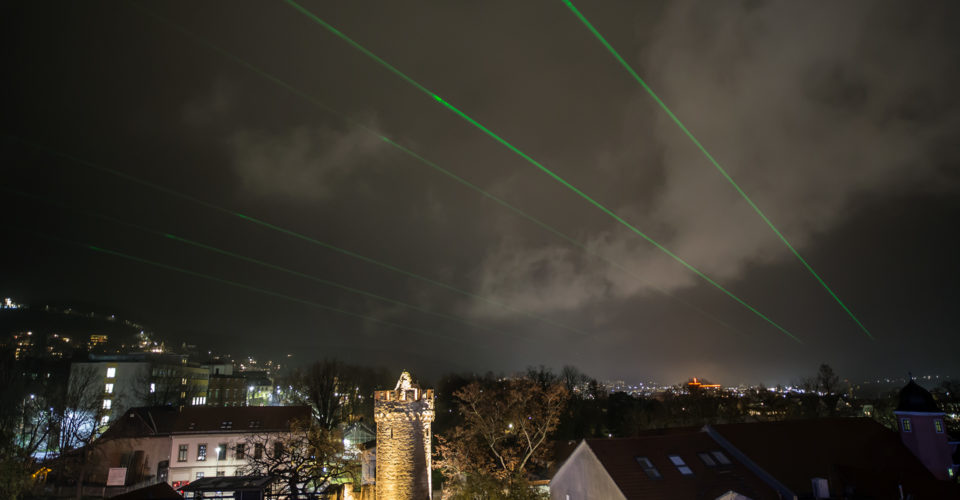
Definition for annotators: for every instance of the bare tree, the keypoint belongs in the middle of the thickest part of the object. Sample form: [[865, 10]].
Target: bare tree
[[76, 421], [506, 424], [167, 385], [336, 392], [307, 459]]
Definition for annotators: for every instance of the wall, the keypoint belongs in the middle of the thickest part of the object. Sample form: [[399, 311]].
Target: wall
[[582, 477]]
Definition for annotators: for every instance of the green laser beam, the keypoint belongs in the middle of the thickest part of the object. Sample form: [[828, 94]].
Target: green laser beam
[[328, 246], [320, 104], [244, 286], [533, 162], [333, 284], [244, 258], [710, 157]]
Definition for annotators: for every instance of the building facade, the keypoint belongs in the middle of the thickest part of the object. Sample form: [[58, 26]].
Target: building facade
[[922, 430], [179, 446], [123, 381], [403, 454]]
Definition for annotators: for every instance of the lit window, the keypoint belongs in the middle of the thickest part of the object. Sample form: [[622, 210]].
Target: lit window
[[111, 372], [108, 389], [222, 451], [648, 467], [707, 460], [720, 457], [905, 425], [183, 381], [107, 403], [681, 465], [199, 475], [153, 388], [938, 426], [201, 452], [104, 419]]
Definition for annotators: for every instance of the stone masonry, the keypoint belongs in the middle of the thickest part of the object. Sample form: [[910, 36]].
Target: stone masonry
[[403, 418]]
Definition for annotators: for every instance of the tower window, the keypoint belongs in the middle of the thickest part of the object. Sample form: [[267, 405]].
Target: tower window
[[111, 372], [938, 426], [905, 425]]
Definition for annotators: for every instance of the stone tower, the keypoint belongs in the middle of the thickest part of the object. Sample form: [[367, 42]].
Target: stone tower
[[403, 418]]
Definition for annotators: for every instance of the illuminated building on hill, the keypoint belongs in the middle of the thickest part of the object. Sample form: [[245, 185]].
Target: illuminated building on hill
[[695, 383]]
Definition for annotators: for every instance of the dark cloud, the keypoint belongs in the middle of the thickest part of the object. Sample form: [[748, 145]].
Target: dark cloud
[[839, 120]]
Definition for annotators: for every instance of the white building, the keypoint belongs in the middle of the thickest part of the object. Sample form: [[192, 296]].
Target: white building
[[181, 445]]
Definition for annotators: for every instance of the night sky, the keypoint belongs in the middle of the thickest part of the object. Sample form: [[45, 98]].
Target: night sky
[[840, 120]]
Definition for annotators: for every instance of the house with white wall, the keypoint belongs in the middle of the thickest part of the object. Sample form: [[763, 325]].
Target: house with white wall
[[181, 445]]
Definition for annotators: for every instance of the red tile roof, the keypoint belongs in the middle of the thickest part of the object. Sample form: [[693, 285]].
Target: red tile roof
[[857, 456], [166, 420], [619, 458]]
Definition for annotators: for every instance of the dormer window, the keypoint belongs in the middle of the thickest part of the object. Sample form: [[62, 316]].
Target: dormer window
[[905, 425], [707, 459], [681, 465], [226, 425], [720, 458], [938, 426], [648, 467]]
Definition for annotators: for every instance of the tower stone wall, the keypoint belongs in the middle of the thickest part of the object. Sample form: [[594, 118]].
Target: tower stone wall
[[404, 416]]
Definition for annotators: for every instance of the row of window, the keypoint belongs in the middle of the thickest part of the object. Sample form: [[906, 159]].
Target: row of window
[[240, 451], [711, 459], [220, 473], [907, 426]]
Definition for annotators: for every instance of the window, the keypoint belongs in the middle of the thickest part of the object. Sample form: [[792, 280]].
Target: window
[[277, 449], [108, 389], [221, 473], [648, 467], [201, 452], [681, 465], [153, 388], [720, 457], [707, 460], [905, 425], [104, 419], [241, 448], [107, 403], [938, 426], [199, 475], [183, 381], [182, 453], [226, 424], [258, 451], [222, 451], [111, 372]]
